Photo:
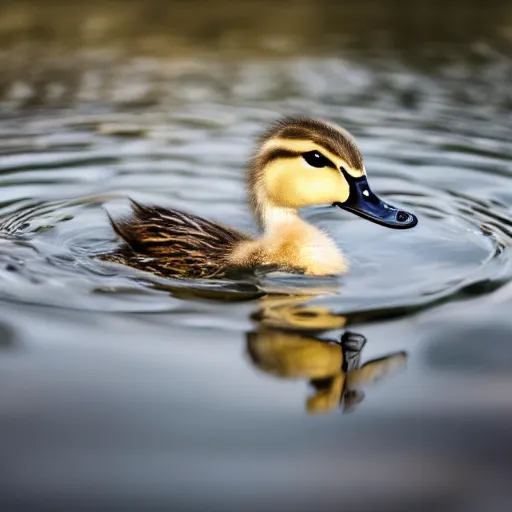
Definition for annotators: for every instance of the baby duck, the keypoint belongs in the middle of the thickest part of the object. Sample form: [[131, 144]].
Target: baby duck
[[298, 162]]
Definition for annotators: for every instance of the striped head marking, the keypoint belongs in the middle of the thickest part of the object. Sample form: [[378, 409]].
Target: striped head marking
[[303, 162]]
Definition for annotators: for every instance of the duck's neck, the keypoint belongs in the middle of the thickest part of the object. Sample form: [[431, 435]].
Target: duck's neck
[[290, 242], [271, 218]]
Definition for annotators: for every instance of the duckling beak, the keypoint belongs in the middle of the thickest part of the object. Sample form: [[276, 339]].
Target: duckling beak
[[363, 202]]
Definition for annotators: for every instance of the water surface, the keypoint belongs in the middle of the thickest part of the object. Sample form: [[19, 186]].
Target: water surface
[[124, 390]]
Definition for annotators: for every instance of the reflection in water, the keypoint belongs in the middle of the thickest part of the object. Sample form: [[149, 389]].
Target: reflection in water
[[291, 313], [280, 347]]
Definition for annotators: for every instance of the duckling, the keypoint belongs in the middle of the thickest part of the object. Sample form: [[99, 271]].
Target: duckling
[[298, 162]]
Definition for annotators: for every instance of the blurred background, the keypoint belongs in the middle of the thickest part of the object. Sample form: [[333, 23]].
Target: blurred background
[[124, 391]]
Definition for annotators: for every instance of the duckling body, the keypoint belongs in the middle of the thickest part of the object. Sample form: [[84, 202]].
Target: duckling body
[[299, 162], [292, 245]]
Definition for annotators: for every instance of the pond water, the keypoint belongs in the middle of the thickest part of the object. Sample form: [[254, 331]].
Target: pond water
[[122, 390]]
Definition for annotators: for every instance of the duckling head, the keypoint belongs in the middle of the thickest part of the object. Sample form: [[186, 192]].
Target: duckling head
[[303, 162]]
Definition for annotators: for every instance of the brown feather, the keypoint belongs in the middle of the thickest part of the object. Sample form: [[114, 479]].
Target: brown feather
[[171, 243]]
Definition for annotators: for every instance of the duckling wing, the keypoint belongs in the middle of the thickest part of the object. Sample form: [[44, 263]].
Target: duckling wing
[[173, 243]]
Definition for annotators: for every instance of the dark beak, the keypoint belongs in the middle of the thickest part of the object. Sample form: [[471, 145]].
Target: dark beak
[[363, 202]]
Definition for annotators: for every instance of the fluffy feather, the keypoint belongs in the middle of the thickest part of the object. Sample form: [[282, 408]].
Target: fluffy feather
[[171, 243], [176, 244]]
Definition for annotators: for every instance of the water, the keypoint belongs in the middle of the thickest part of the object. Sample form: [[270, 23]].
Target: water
[[127, 391]]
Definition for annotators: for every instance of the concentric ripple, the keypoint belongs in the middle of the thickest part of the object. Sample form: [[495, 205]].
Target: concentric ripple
[[59, 177]]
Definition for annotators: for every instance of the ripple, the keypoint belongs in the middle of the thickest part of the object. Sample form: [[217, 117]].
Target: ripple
[[434, 157]]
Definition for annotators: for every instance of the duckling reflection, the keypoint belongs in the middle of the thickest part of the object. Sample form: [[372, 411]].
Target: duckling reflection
[[332, 367], [283, 346], [291, 313]]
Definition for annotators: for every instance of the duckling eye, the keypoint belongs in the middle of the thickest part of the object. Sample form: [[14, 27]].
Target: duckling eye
[[316, 159]]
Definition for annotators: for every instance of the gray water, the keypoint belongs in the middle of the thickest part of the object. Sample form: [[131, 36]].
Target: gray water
[[124, 391]]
